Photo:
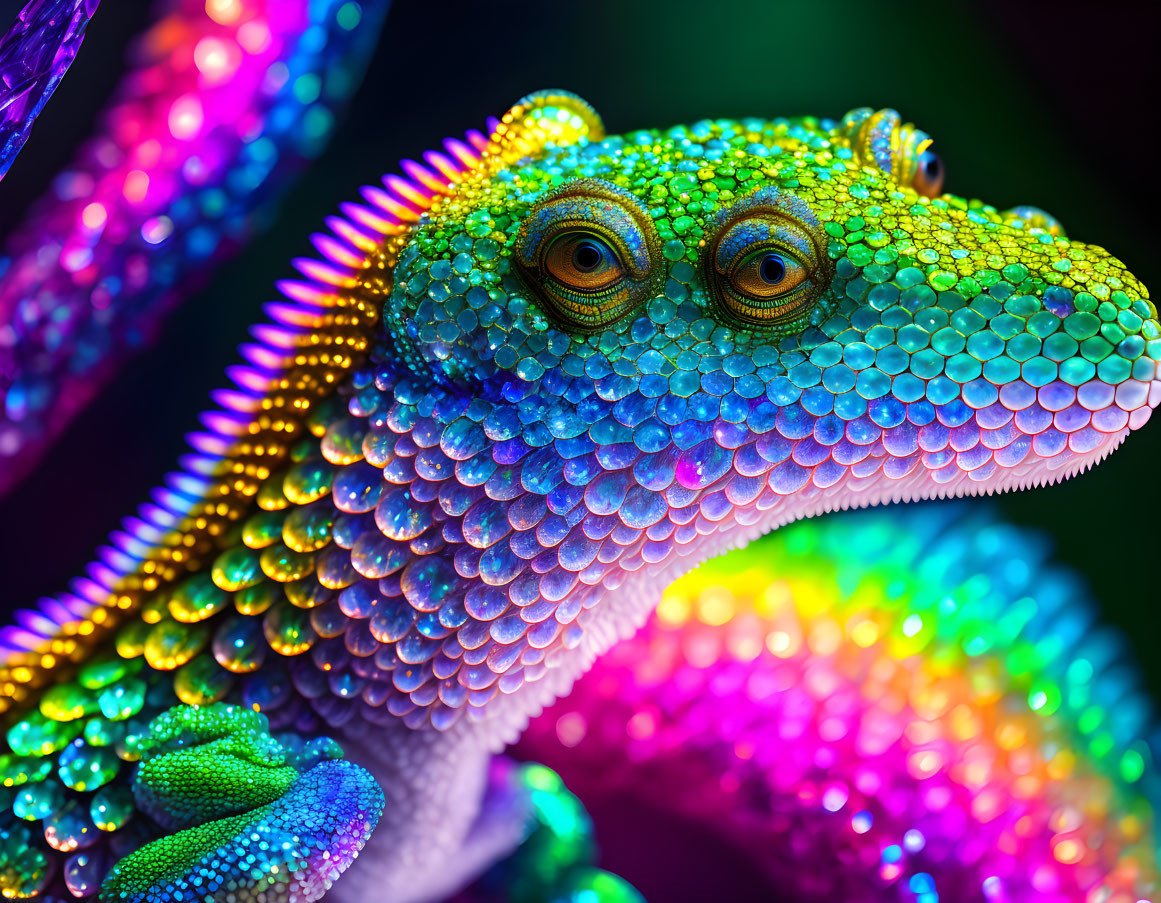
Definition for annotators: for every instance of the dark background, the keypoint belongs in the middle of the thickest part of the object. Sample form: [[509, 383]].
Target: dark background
[[1050, 105]]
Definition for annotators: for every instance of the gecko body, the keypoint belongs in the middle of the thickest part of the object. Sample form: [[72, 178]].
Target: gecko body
[[534, 382]]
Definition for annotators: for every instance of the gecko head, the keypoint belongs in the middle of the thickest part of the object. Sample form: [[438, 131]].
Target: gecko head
[[651, 347]]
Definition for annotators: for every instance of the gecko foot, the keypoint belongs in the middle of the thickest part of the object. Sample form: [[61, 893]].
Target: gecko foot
[[255, 817]]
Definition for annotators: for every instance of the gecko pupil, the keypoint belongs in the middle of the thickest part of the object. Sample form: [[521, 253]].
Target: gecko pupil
[[586, 257], [773, 270]]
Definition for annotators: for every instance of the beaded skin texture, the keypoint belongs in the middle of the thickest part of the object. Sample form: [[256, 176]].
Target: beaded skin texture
[[223, 105], [537, 378]]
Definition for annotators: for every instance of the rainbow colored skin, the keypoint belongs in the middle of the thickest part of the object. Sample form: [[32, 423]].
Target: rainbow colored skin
[[538, 380], [905, 705], [224, 104]]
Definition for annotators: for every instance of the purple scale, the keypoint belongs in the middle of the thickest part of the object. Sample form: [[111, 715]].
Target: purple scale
[[477, 677], [973, 458], [347, 528], [848, 453], [867, 467], [684, 514], [902, 440], [425, 695], [827, 474], [685, 534], [618, 456], [510, 681], [1017, 395], [556, 584], [433, 464], [862, 431], [544, 633], [1015, 453], [1049, 443], [423, 491], [426, 433], [476, 471], [1085, 440], [660, 531], [808, 453], [309, 682], [360, 600], [472, 635], [731, 435], [443, 666], [510, 451], [1000, 437], [598, 527], [964, 436], [935, 460], [577, 551], [1072, 418], [1056, 396], [714, 506], [452, 616], [525, 544], [400, 517], [788, 477], [742, 490], [1033, 419], [455, 498], [564, 498], [451, 532], [375, 556], [357, 487], [774, 448], [934, 437], [429, 626], [527, 511], [452, 693], [1110, 420], [1095, 395], [984, 473], [500, 565], [485, 603], [390, 622], [656, 472], [504, 484], [507, 653], [415, 649], [898, 468], [359, 640], [994, 416], [538, 610], [703, 465], [606, 491], [467, 562], [399, 470]]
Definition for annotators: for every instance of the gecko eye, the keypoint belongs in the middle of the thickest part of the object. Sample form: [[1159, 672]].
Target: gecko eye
[[583, 262], [928, 179], [767, 275], [591, 252], [765, 268]]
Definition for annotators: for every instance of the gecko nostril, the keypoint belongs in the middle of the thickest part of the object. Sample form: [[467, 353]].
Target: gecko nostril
[[1028, 217]]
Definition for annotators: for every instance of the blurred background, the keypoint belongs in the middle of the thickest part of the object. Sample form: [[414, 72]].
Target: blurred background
[[1050, 105]]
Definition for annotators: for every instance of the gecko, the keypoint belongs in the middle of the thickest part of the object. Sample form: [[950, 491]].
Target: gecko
[[530, 382]]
